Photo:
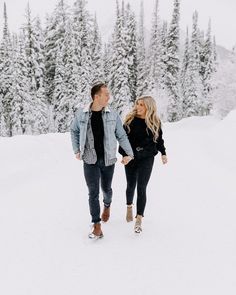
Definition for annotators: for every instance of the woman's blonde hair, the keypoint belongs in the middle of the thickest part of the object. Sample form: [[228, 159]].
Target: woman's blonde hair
[[151, 119]]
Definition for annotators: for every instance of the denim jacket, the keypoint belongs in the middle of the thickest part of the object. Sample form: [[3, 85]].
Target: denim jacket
[[83, 140]]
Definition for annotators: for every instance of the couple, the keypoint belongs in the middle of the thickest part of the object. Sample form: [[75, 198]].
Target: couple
[[95, 131]]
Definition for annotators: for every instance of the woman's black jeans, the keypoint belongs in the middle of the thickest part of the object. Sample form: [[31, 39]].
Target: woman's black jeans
[[138, 173], [93, 174]]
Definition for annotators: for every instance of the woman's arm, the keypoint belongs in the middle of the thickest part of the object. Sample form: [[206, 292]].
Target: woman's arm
[[161, 147], [160, 143]]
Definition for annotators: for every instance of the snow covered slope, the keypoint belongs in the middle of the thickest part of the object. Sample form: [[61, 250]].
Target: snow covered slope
[[188, 244]]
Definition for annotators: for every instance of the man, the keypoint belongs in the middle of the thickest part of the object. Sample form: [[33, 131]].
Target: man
[[95, 131]]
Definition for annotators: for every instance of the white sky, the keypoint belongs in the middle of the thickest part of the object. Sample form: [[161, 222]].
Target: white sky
[[221, 12]]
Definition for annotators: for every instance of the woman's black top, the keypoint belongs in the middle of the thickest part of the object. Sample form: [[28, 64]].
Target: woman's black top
[[141, 140]]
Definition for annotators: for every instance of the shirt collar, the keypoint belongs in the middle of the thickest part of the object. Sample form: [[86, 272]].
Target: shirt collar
[[87, 108]]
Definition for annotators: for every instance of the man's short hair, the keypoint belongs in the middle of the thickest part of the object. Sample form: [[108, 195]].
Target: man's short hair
[[96, 87]]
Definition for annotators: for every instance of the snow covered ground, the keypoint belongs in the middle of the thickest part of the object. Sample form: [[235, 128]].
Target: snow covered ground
[[188, 244]]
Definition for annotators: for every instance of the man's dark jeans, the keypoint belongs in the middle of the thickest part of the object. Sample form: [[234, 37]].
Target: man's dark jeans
[[93, 173], [138, 173]]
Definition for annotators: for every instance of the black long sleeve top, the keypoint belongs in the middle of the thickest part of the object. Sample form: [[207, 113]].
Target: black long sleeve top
[[141, 140]]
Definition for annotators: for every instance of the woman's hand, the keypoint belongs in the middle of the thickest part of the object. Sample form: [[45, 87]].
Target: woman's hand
[[164, 159]]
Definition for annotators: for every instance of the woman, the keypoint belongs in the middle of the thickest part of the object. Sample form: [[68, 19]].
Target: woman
[[143, 128]]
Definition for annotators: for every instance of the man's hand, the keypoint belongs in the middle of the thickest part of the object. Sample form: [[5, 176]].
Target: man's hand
[[77, 156], [164, 159], [126, 160]]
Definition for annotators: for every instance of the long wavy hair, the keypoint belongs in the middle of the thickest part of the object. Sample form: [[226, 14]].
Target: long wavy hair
[[151, 119]]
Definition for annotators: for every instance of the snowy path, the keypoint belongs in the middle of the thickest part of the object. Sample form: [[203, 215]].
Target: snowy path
[[188, 245]]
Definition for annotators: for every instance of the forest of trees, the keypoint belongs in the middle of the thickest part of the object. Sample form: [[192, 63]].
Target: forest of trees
[[46, 72]]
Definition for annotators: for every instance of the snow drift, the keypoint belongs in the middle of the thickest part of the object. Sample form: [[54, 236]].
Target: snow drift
[[188, 241]]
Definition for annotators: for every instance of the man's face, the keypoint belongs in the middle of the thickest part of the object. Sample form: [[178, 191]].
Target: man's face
[[103, 97]]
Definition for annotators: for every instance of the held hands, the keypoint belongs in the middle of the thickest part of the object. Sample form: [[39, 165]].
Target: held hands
[[164, 159], [77, 156], [126, 160]]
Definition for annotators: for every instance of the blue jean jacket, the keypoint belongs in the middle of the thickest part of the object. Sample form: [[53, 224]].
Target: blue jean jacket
[[83, 140]]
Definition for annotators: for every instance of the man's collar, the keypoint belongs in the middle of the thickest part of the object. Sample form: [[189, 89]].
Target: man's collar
[[87, 108]]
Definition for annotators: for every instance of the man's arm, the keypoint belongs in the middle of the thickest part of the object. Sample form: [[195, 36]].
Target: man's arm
[[75, 135], [123, 138]]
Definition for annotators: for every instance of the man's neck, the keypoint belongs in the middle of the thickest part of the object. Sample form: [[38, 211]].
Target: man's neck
[[96, 107]]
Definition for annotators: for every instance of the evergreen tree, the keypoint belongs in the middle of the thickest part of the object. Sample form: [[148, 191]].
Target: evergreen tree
[[67, 83], [6, 70], [154, 54], [195, 44], [59, 93], [193, 75], [40, 70], [142, 70], [214, 55], [20, 89], [97, 53], [162, 94], [119, 80], [16, 113], [208, 70], [54, 37], [1, 118], [201, 47], [22, 86], [35, 65], [82, 28], [184, 77], [111, 47], [106, 61], [130, 39], [172, 63], [163, 55], [190, 78]]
